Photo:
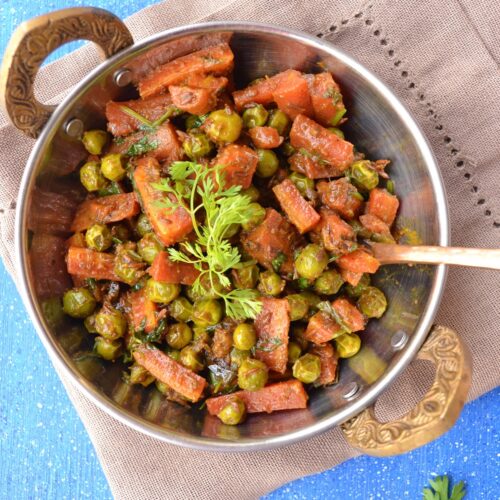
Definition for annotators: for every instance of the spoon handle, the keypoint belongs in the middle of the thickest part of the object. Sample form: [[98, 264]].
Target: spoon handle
[[404, 254]]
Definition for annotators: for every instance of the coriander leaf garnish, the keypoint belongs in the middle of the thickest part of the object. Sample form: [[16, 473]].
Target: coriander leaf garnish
[[327, 308], [267, 345], [440, 490], [142, 146], [149, 125], [278, 261]]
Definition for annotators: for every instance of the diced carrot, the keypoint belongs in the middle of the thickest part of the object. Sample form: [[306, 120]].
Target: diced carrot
[[222, 342], [165, 270], [341, 196], [265, 137], [321, 328], [358, 261], [274, 237], [192, 100], [312, 167], [326, 99], [260, 92], [120, 123], [319, 141], [209, 82], [87, 263], [350, 277], [143, 312], [329, 363], [292, 95], [169, 225], [166, 370], [289, 395], [240, 163], [104, 210], [383, 205], [337, 236], [349, 314], [217, 60], [377, 226], [299, 211], [272, 325], [76, 240], [162, 144]]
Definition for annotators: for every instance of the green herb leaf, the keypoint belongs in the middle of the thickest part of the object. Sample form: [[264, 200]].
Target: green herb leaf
[[142, 146], [153, 336], [277, 262], [440, 490], [327, 308], [267, 345]]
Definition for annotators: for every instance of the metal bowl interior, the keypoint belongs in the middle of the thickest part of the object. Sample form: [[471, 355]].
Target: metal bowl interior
[[378, 125]]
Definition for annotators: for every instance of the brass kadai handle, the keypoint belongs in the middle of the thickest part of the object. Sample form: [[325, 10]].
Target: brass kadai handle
[[433, 415], [34, 40]]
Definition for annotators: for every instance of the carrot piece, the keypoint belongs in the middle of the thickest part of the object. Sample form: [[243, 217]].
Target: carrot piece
[[240, 163], [169, 225], [289, 395], [76, 240], [260, 92], [272, 325], [312, 166], [87, 263], [299, 211], [120, 123], [168, 271], [358, 261], [182, 380], [375, 225], [319, 141], [265, 137], [274, 237], [350, 277], [112, 208], [383, 205], [292, 95], [341, 196], [349, 314], [217, 60], [329, 363], [321, 328], [326, 99], [209, 82], [142, 311], [337, 236], [192, 100]]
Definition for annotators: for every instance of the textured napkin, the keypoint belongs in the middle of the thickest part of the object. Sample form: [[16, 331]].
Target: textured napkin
[[441, 59]]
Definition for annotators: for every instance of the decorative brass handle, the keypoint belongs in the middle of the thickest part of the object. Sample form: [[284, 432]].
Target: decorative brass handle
[[431, 417], [34, 40]]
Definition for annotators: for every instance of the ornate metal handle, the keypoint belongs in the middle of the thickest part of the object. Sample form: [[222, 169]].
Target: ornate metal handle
[[431, 417], [34, 40]]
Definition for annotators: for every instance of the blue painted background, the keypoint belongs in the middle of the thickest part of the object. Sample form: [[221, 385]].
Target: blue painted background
[[45, 452]]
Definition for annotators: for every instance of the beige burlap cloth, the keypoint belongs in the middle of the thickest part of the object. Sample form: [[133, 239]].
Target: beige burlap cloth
[[441, 59]]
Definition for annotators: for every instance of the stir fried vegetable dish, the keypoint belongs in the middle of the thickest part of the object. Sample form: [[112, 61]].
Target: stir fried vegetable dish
[[219, 251]]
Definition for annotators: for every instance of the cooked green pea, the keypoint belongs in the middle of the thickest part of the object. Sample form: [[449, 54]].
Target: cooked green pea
[[197, 146], [268, 163], [298, 334], [110, 323], [294, 352], [149, 247], [98, 237], [245, 276], [303, 184], [91, 176], [139, 375], [89, 323], [372, 302], [207, 312], [200, 334], [244, 337], [312, 299], [311, 261], [52, 311], [162, 388], [94, 141], [71, 339], [129, 265], [337, 132], [270, 283], [179, 335], [191, 359], [307, 368], [363, 175], [255, 116], [347, 345], [328, 283], [355, 291], [299, 306], [89, 365], [211, 288], [160, 292], [223, 125], [175, 354], [287, 149], [237, 356], [143, 226], [112, 167], [108, 349], [252, 192], [233, 412], [256, 214], [120, 232], [78, 302], [181, 309], [252, 374], [278, 120]]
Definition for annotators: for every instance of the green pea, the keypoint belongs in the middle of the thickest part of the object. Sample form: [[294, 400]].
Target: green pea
[[337, 132], [120, 232], [128, 265], [244, 337], [179, 335], [98, 237], [112, 167], [255, 215], [255, 116], [287, 149], [108, 349], [162, 388], [252, 374], [328, 283], [78, 302], [191, 359], [207, 312], [139, 375], [160, 292], [181, 309], [307, 368], [237, 356], [200, 334], [91, 176], [372, 302], [304, 185], [149, 247], [347, 345], [312, 299], [89, 323], [268, 163], [299, 306], [311, 261], [363, 175], [298, 333], [252, 192], [355, 292], [278, 120], [94, 141], [233, 412], [294, 352], [143, 226], [175, 354], [223, 125], [110, 323], [245, 276], [197, 146], [71, 339], [270, 283], [52, 311]]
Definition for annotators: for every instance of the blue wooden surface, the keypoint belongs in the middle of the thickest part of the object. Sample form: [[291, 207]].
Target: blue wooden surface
[[45, 451]]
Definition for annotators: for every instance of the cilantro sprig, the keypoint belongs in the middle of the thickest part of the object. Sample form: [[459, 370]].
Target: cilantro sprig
[[440, 490]]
